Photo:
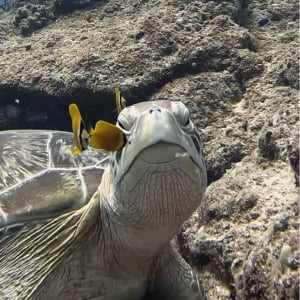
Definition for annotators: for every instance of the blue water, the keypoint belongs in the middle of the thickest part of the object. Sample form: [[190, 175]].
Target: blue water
[[1, 2]]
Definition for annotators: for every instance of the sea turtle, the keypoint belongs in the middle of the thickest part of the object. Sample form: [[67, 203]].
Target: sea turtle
[[99, 225]]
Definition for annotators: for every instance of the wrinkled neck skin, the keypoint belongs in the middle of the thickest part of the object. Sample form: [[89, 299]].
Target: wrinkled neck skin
[[148, 205]]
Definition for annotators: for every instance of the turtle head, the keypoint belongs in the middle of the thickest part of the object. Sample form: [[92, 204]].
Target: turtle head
[[159, 174], [157, 133]]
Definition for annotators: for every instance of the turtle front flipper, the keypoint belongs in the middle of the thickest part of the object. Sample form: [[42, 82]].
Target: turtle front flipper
[[173, 279]]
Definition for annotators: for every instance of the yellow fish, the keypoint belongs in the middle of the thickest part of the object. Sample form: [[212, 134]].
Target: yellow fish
[[105, 136], [81, 135], [120, 100]]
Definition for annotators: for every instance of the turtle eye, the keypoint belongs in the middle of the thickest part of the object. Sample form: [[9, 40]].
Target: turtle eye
[[181, 113], [124, 121], [121, 125], [187, 122]]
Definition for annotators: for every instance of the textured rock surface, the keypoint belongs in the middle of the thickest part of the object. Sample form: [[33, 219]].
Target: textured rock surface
[[31, 17], [241, 84], [60, 6]]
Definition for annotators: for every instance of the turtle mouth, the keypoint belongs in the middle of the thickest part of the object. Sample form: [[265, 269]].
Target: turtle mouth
[[161, 153], [160, 157]]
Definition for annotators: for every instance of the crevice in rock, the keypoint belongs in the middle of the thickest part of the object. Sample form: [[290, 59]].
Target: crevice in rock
[[243, 16], [68, 6], [25, 108], [231, 154]]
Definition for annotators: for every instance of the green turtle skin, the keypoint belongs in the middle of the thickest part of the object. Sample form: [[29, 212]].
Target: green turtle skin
[[100, 225]]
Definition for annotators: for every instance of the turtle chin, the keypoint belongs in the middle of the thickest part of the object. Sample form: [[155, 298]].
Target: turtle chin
[[162, 187], [161, 158]]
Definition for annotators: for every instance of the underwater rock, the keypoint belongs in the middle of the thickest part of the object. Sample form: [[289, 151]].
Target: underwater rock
[[67, 6], [267, 146], [11, 5], [294, 162], [31, 17], [289, 72], [61, 6], [240, 82]]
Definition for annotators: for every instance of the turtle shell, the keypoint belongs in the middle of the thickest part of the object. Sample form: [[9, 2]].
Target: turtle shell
[[40, 177]]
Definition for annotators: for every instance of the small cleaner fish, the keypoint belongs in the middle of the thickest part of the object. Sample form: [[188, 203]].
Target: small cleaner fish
[[120, 100], [105, 136]]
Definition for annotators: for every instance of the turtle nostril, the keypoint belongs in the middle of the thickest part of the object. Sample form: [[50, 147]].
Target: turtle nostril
[[154, 109]]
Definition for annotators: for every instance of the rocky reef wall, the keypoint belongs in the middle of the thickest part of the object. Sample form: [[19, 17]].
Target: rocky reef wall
[[235, 64]]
